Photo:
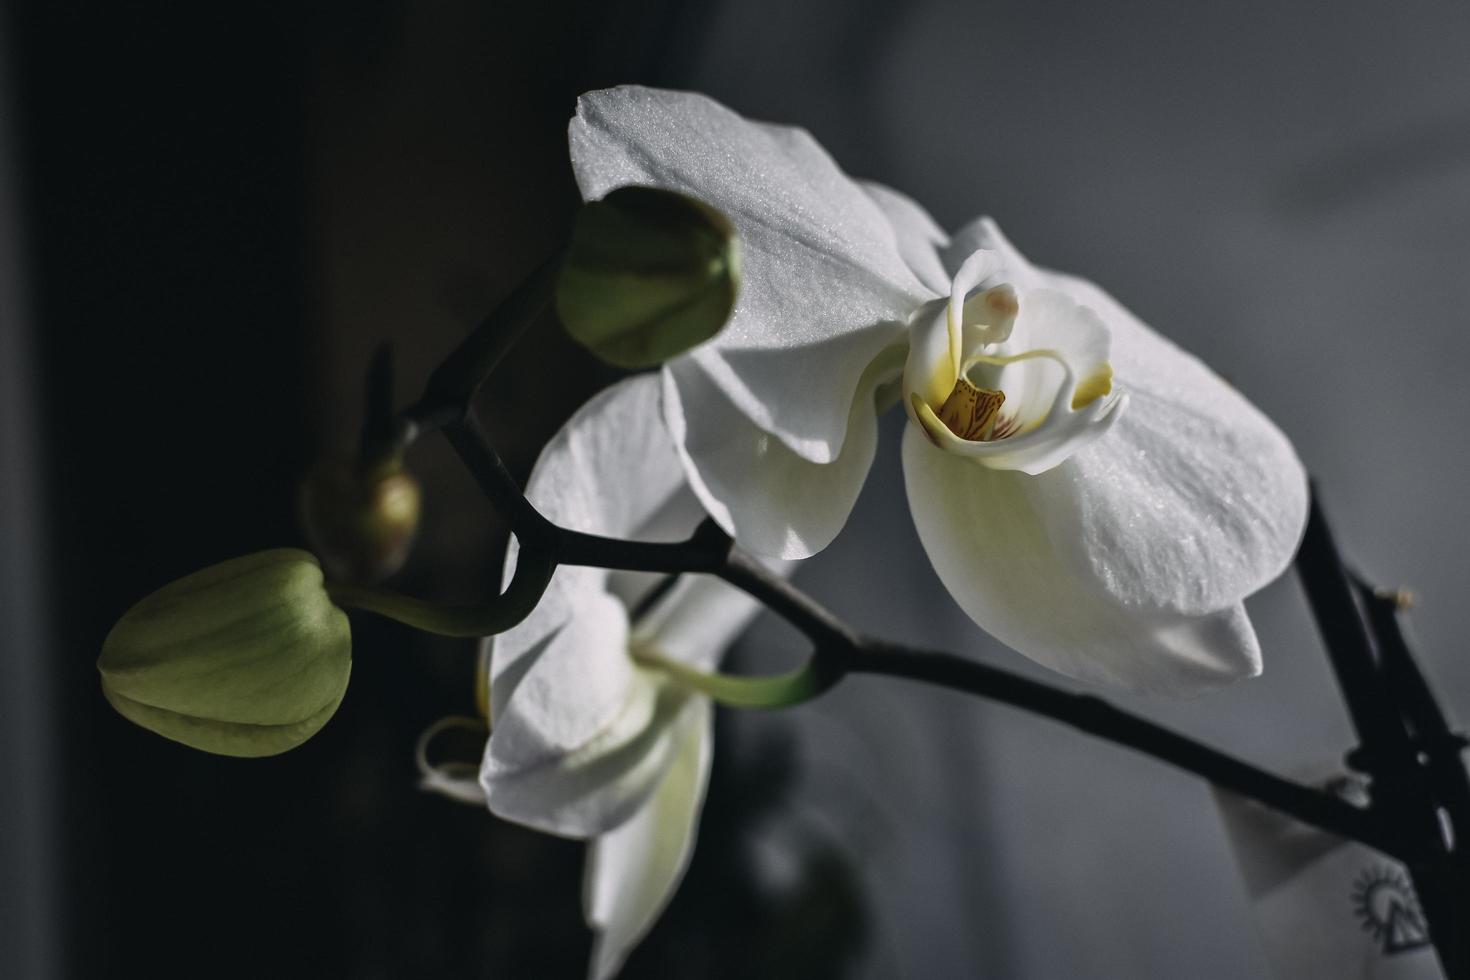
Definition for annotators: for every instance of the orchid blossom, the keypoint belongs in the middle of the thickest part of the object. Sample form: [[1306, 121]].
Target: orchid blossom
[[593, 734], [1090, 494]]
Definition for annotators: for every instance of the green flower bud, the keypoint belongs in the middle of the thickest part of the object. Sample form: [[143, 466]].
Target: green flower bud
[[648, 275], [247, 658], [362, 525]]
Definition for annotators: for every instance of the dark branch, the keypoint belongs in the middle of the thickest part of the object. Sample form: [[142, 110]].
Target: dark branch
[[1349, 646], [451, 388], [472, 443], [459, 376], [832, 639], [1096, 717], [706, 550], [1385, 695], [1443, 880]]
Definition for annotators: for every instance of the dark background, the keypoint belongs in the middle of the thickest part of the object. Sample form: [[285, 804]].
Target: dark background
[[212, 213]]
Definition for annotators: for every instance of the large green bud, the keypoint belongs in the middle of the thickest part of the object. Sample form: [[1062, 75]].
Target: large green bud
[[246, 658], [648, 275]]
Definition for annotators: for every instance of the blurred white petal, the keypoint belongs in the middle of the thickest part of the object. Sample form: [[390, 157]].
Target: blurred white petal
[[565, 688], [633, 871], [578, 740], [614, 441], [601, 784]]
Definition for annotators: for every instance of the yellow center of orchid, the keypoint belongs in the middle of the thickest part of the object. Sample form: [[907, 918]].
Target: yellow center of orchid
[[1010, 389], [970, 412]]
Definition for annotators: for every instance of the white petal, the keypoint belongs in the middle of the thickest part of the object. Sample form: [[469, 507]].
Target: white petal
[[603, 783], [982, 265], [773, 501], [984, 233], [559, 693], [937, 336], [633, 871], [825, 287], [993, 553], [1052, 320], [699, 619], [931, 368], [610, 470], [1194, 500], [576, 741], [919, 237]]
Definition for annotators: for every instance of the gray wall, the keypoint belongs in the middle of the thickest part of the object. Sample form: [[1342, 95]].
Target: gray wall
[[1286, 192]]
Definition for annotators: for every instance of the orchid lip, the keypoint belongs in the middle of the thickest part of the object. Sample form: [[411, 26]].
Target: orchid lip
[[990, 397], [1006, 426]]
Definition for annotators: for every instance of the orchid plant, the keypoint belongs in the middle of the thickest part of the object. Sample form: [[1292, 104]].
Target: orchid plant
[[1088, 493]]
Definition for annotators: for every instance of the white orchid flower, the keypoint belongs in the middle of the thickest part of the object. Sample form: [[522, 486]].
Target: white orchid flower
[[590, 736], [1090, 494]]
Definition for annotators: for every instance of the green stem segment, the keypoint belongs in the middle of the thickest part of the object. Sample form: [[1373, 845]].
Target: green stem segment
[[776, 691], [532, 575]]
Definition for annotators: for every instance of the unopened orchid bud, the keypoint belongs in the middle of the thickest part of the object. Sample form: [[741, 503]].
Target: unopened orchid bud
[[648, 275], [246, 658], [360, 523]]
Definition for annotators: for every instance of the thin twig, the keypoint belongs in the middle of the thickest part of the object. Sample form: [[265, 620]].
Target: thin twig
[[455, 381], [1097, 717], [532, 574]]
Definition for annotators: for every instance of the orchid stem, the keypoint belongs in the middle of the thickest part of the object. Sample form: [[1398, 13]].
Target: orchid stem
[[776, 691], [532, 575], [1411, 785], [1095, 716], [453, 384]]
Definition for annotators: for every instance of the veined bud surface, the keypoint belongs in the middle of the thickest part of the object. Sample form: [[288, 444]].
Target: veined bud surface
[[245, 658]]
